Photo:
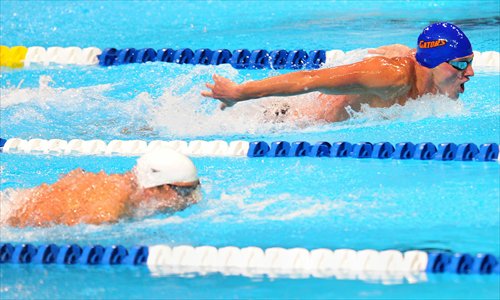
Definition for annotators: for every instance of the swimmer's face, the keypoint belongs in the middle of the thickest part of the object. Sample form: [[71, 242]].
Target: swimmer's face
[[170, 197], [161, 192], [450, 77]]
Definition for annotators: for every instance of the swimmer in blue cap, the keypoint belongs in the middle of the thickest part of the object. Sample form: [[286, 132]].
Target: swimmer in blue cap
[[441, 64]]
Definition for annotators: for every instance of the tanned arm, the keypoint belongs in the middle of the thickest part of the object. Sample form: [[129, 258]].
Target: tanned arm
[[378, 76]]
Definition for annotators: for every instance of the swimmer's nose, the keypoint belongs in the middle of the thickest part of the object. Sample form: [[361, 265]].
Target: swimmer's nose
[[469, 71]]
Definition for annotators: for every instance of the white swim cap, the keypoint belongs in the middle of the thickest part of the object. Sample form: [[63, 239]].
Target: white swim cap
[[165, 166]]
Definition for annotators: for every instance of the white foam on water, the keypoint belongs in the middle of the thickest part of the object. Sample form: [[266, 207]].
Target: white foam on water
[[7, 204], [45, 94], [241, 206], [181, 112], [415, 109], [189, 114], [249, 117], [427, 106]]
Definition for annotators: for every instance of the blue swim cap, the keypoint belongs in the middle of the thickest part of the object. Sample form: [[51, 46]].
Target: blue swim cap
[[441, 42]]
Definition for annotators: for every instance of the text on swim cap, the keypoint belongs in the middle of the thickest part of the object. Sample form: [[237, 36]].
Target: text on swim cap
[[432, 44]]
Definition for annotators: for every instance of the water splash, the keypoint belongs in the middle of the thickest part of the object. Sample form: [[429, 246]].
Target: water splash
[[244, 205], [181, 112], [7, 205], [439, 106], [46, 94]]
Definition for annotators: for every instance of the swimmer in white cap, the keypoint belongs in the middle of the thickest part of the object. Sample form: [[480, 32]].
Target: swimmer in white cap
[[162, 181]]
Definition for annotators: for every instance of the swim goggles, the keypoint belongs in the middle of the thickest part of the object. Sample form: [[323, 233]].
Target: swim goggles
[[460, 65]]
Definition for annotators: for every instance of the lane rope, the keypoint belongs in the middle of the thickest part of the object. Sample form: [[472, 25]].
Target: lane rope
[[253, 260], [20, 56], [219, 148]]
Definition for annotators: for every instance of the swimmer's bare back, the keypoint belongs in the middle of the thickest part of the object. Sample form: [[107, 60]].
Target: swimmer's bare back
[[78, 197]]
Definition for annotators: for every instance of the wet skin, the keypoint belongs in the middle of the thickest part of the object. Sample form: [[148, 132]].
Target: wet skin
[[376, 81], [92, 198]]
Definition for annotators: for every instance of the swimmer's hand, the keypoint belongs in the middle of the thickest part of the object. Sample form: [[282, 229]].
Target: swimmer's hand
[[223, 90], [391, 51]]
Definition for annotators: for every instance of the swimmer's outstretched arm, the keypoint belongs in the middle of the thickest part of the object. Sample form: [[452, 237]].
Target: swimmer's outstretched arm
[[379, 76]]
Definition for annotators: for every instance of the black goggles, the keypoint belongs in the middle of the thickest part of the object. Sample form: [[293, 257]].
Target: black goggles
[[460, 65]]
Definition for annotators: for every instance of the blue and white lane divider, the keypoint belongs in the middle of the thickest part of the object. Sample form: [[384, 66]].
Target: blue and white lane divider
[[239, 58], [261, 261], [381, 150]]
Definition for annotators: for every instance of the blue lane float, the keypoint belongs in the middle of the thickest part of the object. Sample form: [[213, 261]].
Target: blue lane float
[[258, 149], [404, 151], [340, 149], [23, 254], [107, 57], [72, 254], [239, 59], [278, 59], [462, 263], [46, 254], [183, 56], [437, 262], [138, 255], [221, 56], [361, 150], [487, 152], [68, 254], [424, 151], [299, 149], [164, 55], [279, 149], [145, 55], [6, 251], [316, 59], [320, 149], [296, 59], [446, 151], [202, 57], [466, 152], [259, 59], [125, 56], [382, 150], [2, 143], [91, 255]]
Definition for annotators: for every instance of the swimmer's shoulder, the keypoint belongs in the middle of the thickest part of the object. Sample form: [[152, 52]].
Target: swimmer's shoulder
[[396, 70], [399, 62]]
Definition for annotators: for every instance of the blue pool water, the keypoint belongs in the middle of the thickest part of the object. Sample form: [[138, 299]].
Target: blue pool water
[[264, 202]]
